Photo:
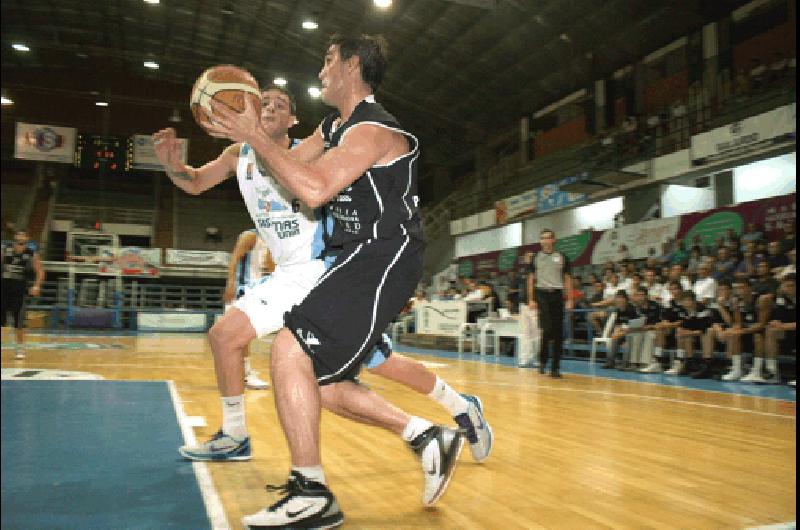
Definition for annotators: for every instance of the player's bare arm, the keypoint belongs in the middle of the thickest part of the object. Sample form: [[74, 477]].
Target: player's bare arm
[[314, 183], [193, 180]]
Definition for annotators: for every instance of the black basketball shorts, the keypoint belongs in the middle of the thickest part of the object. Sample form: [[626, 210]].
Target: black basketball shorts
[[13, 301], [341, 320]]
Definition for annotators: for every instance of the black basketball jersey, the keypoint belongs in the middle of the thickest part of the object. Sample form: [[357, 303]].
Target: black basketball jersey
[[17, 266], [674, 313], [748, 310], [651, 311], [384, 202], [785, 309]]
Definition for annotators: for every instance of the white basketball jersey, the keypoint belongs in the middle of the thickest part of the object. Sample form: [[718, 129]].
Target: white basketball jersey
[[292, 232]]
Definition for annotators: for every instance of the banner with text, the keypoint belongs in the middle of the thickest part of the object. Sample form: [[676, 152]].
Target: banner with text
[[46, 143], [144, 155], [173, 321], [441, 317], [216, 258], [741, 135], [638, 238]]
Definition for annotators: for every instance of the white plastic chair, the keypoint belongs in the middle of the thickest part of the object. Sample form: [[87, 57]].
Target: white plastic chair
[[604, 338], [468, 331]]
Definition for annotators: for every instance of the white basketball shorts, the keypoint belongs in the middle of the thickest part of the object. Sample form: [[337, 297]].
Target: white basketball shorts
[[268, 299]]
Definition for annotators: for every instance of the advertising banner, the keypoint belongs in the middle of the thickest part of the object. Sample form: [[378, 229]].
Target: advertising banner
[[740, 135], [47, 143], [441, 317], [538, 200], [639, 238], [144, 156], [173, 321], [214, 258]]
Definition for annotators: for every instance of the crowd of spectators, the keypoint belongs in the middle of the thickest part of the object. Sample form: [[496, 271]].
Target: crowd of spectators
[[712, 297]]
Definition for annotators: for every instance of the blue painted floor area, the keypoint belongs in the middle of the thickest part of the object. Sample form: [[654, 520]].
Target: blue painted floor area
[[582, 367], [94, 454]]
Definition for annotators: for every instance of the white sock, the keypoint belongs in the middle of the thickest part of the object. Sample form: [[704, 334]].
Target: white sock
[[246, 365], [657, 352], [451, 400], [772, 366], [233, 420], [680, 354], [314, 473], [415, 427], [736, 363], [758, 363]]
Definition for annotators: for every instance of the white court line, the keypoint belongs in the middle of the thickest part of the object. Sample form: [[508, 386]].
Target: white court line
[[639, 396], [216, 513]]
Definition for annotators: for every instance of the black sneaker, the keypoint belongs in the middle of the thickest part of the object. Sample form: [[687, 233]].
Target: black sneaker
[[704, 372], [438, 449], [307, 504]]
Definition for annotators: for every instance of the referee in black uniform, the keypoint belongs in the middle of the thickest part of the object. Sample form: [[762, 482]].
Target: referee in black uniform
[[548, 279]]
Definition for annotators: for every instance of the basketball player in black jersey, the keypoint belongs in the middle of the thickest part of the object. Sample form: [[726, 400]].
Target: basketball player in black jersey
[[362, 164], [21, 264]]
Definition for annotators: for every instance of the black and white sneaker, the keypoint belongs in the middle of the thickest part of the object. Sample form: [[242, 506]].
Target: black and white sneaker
[[438, 449], [307, 505]]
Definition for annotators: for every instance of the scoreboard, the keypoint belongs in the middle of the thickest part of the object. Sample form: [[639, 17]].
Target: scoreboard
[[103, 153]]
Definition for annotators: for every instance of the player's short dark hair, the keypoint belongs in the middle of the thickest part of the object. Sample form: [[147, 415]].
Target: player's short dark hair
[[675, 283], [642, 290], [285, 91], [724, 283], [788, 278], [688, 295], [547, 230], [372, 52], [623, 293]]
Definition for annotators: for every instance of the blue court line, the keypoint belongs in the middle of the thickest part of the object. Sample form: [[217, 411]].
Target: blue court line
[[582, 367], [94, 454]]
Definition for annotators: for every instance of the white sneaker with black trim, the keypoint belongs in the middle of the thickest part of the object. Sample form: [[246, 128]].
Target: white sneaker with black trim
[[220, 448], [20, 354], [753, 377], [438, 448], [733, 375], [477, 430], [253, 382], [652, 368], [306, 504], [676, 368]]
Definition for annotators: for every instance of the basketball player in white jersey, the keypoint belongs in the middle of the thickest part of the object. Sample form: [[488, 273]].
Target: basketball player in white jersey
[[294, 235], [250, 262]]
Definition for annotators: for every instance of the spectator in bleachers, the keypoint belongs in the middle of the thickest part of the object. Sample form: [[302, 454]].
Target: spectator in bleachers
[[776, 258], [764, 283], [609, 293], [742, 83], [746, 269], [625, 314], [744, 335], [695, 259], [667, 252], [693, 332], [781, 332], [652, 284], [721, 319], [725, 265], [778, 68], [672, 314], [650, 311], [791, 268], [516, 286], [751, 234], [597, 294], [705, 287], [789, 238], [675, 275], [758, 74], [713, 250], [652, 261]]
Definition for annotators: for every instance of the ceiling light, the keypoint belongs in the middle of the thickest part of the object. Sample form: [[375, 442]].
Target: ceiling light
[[279, 81], [310, 24], [176, 116], [151, 64], [101, 103], [227, 10], [383, 4], [314, 92], [82, 55], [6, 101], [20, 47], [153, 2], [564, 37]]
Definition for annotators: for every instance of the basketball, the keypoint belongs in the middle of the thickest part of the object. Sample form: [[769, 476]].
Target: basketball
[[226, 84]]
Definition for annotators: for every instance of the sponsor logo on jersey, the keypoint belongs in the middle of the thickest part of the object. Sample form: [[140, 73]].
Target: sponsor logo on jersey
[[308, 337], [249, 172]]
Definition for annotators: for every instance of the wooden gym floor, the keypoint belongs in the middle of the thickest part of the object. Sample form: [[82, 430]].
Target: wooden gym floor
[[581, 452]]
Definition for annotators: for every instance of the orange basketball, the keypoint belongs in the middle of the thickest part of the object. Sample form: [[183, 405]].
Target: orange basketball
[[225, 84]]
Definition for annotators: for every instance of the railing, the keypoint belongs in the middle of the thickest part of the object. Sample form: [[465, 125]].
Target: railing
[[623, 149], [105, 214]]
